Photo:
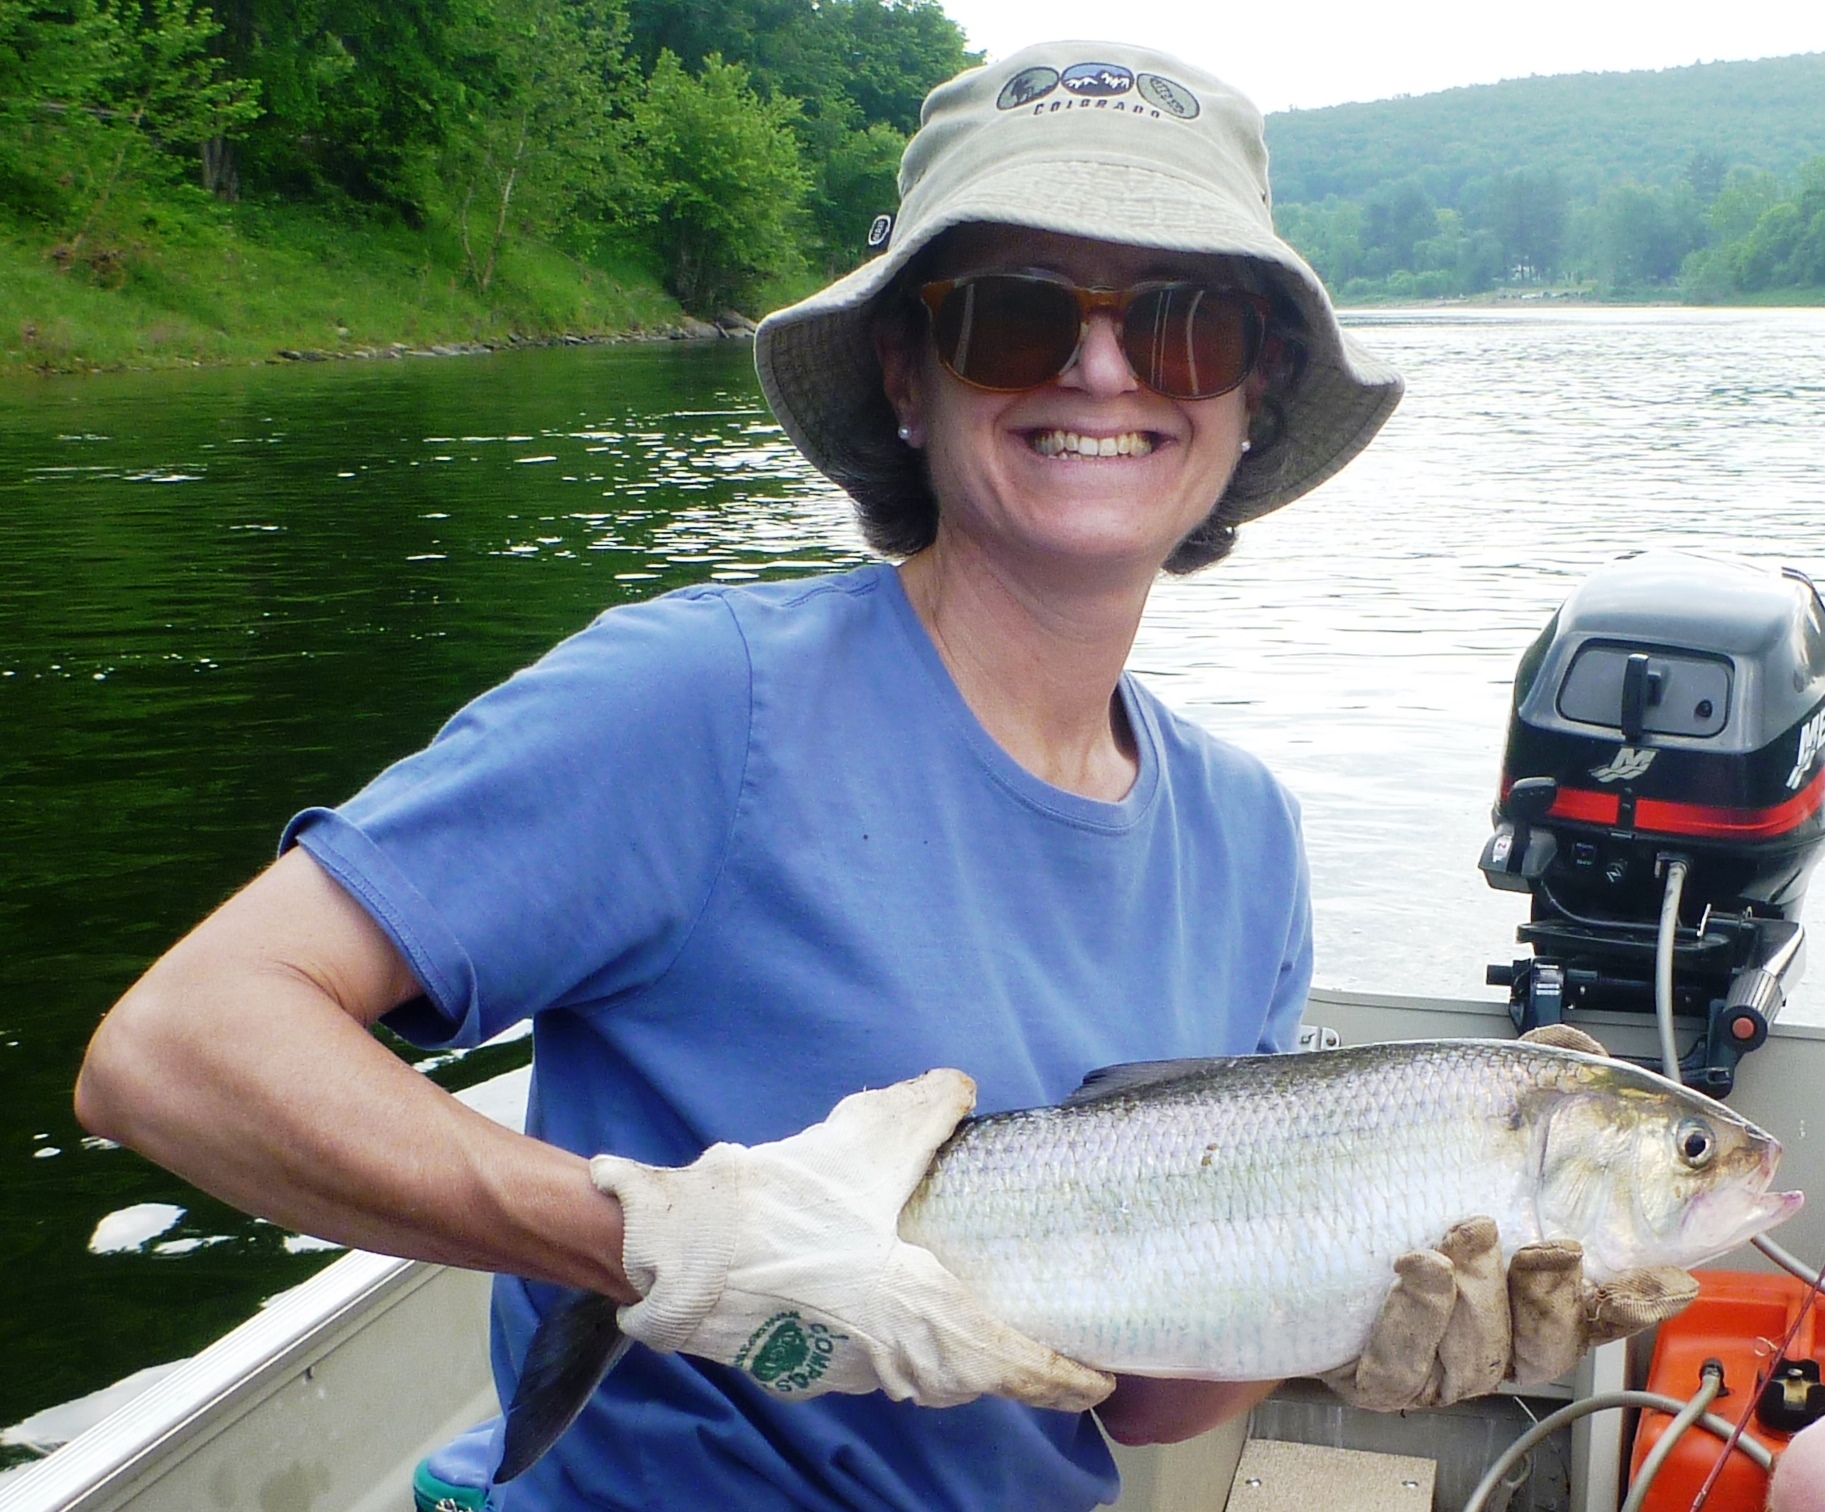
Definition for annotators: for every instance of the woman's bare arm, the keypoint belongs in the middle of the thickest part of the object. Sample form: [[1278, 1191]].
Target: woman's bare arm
[[242, 1061]]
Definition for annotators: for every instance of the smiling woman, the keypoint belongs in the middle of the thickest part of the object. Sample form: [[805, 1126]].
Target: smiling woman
[[739, 851]]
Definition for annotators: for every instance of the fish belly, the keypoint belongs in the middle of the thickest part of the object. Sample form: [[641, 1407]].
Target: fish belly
[[1247, 1232]]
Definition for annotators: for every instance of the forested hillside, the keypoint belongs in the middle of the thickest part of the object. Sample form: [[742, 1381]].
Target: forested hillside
[[215, 179], [1707, 181], [496, 164]]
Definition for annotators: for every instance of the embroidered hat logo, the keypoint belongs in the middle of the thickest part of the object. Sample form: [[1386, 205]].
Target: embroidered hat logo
[[1097, 80], [1025, 87], [1098, 83]]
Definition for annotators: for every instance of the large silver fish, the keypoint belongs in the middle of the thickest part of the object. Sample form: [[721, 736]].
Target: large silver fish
[[1239, 1219]]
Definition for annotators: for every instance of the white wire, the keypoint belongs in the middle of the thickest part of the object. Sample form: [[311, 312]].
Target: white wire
[[1675, 1431], [1786, 1259], [1663, 967], [1547, 1426]]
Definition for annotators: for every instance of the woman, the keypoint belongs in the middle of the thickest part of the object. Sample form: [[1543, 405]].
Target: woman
[[739, 852]]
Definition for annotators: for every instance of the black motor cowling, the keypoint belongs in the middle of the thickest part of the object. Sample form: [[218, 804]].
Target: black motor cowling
[[1673, 709]]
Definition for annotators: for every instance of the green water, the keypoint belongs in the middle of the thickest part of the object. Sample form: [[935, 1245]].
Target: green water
[[228, 595]]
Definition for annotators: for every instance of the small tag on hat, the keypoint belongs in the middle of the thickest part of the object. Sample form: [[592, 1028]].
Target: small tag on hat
[[880, 231]]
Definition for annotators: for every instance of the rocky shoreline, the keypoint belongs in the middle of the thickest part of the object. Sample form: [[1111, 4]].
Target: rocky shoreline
[[730, 325]]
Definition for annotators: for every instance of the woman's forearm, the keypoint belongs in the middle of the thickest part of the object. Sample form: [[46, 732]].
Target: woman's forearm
[[242, 1061]]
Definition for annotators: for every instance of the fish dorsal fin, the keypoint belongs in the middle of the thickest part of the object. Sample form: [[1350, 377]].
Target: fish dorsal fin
[[1139, 1076]]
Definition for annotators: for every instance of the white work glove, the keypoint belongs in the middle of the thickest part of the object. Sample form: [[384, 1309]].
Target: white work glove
[[783, 1261]]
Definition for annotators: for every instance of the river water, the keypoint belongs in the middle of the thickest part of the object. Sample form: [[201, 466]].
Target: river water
[[230, 594]]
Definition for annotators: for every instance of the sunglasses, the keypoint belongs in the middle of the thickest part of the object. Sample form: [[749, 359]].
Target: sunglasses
[[1010, 331]]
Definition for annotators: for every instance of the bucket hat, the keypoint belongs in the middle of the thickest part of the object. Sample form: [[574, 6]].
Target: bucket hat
[[1096, 139]]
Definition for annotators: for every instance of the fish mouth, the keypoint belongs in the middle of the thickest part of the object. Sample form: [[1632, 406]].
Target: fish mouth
[[1728, 1216]]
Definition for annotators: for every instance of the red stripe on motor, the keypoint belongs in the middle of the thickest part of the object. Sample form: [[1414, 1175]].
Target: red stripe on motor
[[1731, 823], [1584, 806], [1664, 817]]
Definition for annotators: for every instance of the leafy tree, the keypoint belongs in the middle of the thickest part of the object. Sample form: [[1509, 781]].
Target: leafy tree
[[55, 64], [860, 61], [1744, 199], [1395, 219], [1764, 240], [853, 66], [94, 93], [1328, 236], [891, 55], [1765, 258], [534, 136], [361, 96], [719, 184], [1705, 173], [1644, 235], [1525, 212], [855, 177]]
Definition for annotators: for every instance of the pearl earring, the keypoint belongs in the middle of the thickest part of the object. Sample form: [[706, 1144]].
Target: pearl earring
[[906, 433], [1247, 445]]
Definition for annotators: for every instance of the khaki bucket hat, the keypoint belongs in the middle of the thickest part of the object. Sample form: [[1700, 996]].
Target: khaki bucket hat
[[1096, 139]]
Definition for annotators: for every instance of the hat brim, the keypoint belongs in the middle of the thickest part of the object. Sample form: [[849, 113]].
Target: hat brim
[[820, 375]]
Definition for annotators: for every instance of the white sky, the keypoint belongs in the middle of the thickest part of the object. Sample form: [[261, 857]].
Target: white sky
[[1288, 53]]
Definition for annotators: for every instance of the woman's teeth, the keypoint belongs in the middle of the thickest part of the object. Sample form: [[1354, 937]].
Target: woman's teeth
[[1064, 443]]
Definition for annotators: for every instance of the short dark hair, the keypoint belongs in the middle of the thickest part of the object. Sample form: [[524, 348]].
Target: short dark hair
[[891, 485]]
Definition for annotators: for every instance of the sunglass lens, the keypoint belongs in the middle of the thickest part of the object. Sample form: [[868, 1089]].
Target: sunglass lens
[[1189, 342], [1007, 332]]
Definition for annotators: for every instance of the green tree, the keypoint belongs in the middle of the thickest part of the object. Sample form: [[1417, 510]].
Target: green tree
[[55, 62], [1644, 235], [855, 177], [1525, 212], [718, 181], [534, 137], [1744, 199], [888, 56], [362, 97], [1395, 218], [1705, 172], [1763, 241], [96, 95], [877, 57], [859, 70], [1327, 235]]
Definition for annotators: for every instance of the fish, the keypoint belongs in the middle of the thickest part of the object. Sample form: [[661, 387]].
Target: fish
[[1239, 1218]]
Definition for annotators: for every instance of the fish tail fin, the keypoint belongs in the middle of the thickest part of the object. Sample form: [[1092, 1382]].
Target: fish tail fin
[[576, 1344]]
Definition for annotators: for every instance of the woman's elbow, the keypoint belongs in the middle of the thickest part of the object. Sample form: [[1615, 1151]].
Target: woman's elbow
[[113, 1077]]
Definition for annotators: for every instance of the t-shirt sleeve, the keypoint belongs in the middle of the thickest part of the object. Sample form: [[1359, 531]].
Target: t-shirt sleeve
[[561, 834]]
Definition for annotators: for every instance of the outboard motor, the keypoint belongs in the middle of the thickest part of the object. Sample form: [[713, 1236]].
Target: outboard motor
[[1666, 761]]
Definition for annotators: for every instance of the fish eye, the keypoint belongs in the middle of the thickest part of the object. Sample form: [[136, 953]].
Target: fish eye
[[1695, 1142]]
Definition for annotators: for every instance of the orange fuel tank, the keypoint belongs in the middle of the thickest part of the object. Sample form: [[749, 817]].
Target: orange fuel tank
[[1739, 1319]]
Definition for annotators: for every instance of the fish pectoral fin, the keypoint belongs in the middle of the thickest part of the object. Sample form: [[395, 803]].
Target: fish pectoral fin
[[576, 1344], [1136, 1076]]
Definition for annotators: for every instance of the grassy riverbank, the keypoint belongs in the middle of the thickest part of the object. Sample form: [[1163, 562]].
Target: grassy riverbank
[[245, 283]]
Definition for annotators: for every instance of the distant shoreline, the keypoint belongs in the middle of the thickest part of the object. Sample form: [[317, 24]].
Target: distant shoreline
[[1771, 299], [85, 351]]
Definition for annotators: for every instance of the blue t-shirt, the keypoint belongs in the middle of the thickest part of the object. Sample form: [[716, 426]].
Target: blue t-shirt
[[742, 851]]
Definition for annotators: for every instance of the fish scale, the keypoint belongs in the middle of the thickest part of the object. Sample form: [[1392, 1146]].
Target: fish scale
[[1240, 1219]]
